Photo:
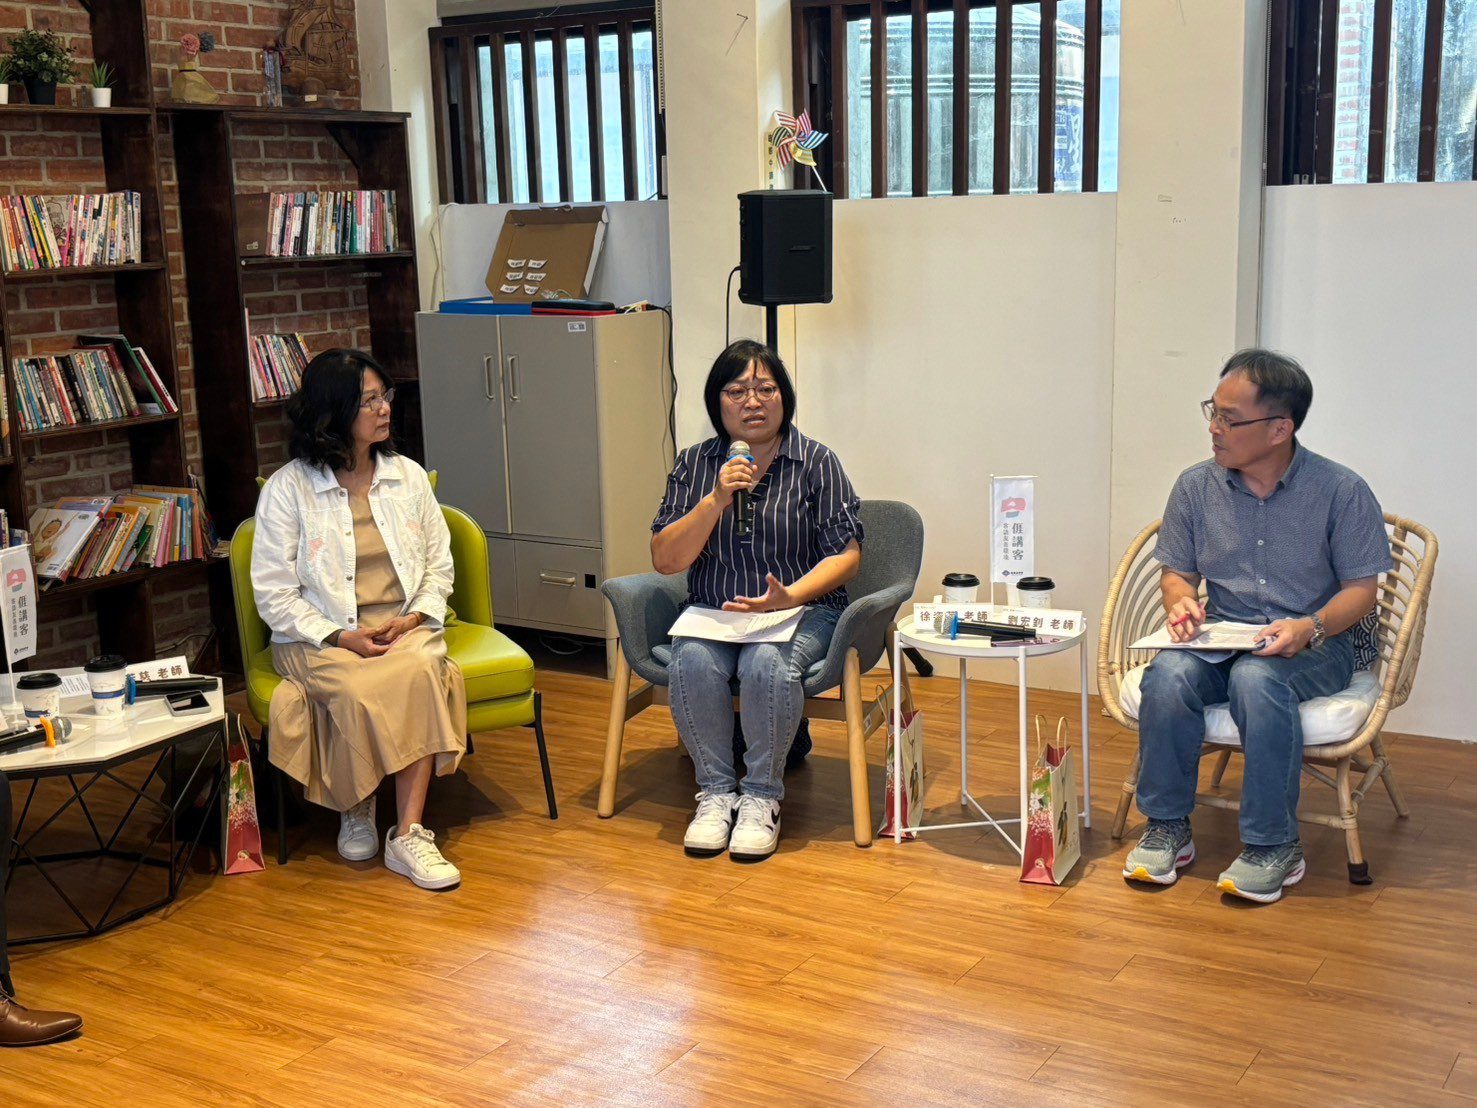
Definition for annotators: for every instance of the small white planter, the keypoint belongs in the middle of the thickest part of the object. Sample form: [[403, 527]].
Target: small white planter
[[102, 98], [4, 94]]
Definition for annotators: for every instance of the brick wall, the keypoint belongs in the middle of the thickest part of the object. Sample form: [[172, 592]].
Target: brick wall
[[50, 156]]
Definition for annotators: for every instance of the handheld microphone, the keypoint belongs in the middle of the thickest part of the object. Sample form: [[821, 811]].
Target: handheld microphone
[[738, 448], [48, 729]]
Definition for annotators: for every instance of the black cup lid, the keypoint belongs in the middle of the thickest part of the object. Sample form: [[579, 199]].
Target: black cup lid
[[105, 663], [1035, 584], [38, 681], [961, 581]]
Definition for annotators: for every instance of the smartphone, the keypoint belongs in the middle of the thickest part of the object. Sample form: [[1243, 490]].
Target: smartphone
[[187, 704]]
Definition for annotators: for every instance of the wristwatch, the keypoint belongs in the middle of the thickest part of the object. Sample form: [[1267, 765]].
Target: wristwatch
[[1319, 634]]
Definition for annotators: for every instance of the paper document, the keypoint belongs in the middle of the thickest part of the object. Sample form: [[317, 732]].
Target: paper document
[[1222, 636], [721, 626]]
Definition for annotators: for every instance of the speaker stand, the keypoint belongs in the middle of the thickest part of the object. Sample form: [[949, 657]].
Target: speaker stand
[[772, 327]]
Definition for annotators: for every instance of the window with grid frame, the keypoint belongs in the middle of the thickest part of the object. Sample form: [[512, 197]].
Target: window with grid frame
[[940, 97], [553, 109], [1371, 90]]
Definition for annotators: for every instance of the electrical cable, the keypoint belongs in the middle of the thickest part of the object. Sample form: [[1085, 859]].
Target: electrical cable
[[727, 306]]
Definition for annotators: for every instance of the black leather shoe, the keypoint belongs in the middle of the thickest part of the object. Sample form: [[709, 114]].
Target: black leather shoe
[[800, 748], [23, 1027]]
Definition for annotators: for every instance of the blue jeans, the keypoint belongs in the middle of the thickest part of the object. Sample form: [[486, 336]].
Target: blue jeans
[[770, 702], [1264, 694]]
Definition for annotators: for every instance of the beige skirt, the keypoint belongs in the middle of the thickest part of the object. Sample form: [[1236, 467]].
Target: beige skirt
[[342, 723]]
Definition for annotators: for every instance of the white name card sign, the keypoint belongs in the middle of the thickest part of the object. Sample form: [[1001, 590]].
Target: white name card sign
[[1048, 621]]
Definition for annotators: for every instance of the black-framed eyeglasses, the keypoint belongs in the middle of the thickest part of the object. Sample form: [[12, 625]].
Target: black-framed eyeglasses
[[766, 392], [375, 403], [1218, 418]]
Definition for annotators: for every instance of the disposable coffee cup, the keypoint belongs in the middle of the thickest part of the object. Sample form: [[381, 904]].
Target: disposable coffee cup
[[107, 676], [40, 695], [1035, 592], [961, 588]]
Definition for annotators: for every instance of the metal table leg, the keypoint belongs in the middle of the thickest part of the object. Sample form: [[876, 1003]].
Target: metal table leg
[[1025, 770]]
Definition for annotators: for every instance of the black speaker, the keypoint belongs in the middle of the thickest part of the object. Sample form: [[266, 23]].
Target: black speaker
[[785, 246]]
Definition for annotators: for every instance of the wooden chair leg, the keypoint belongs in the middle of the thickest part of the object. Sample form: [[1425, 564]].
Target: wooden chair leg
[[543, 753], [1130, 786], [1387, 774], [856, 750], [1222, 760], [615, 733], [1358, 867]]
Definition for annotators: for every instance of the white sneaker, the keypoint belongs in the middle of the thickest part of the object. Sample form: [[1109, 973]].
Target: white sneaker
[[709, 829], [356, 838], [414, 855], [758, 829]]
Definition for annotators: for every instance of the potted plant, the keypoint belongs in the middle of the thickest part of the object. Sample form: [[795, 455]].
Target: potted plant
[[101, 79], [7, 74], [42, 60]]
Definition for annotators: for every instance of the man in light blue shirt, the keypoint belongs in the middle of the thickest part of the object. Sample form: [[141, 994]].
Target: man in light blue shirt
[[1281, 537]]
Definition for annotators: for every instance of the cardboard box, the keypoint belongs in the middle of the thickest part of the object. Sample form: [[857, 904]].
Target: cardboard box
[[544, 253]]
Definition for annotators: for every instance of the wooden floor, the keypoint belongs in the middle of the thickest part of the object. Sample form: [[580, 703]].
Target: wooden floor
[[590, 961]]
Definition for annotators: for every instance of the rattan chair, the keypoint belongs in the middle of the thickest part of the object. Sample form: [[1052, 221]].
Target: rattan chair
[[1133, 609]]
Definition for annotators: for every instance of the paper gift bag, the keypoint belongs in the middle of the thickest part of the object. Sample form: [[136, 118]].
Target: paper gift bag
[[1053, 838], [911, 741], [241, 834]]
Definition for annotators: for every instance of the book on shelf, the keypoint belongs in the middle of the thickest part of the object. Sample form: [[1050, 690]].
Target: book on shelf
[[61, 532], [105, 379], [79, 538], [314, 224], [277, 364], [58, 232]]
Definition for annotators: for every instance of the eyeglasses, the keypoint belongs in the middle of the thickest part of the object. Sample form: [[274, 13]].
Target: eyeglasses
[[766, 392], [1219, 419], [377, 402]]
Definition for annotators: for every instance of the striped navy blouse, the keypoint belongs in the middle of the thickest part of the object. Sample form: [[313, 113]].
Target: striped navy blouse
[[805, 510]]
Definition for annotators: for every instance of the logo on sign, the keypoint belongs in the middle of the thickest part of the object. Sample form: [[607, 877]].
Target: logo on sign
[[1012, 506], [15, 580]]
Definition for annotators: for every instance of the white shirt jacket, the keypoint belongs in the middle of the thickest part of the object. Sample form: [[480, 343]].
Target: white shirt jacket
[[302, 560]]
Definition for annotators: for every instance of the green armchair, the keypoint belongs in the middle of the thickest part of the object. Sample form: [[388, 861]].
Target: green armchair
[[498, 672]]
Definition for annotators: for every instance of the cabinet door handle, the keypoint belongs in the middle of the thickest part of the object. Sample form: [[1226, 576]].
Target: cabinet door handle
[[512, 376], [487, 376], [563, 580]]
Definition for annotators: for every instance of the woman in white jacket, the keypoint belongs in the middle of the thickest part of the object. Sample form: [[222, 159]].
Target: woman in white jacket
[[351, 568]]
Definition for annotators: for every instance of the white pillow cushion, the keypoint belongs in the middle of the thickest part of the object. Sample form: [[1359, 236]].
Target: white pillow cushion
[[1326, 719]]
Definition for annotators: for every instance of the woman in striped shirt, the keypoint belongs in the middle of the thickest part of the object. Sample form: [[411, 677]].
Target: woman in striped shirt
[[802, 548]]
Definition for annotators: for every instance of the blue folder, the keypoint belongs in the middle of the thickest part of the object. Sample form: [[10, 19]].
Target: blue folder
[[483, 305]]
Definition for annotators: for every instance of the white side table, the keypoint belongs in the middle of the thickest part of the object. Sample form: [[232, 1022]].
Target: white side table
[[966, 649]]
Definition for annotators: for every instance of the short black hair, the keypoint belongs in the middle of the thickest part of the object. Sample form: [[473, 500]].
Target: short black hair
[[1282, 385], [730, 365], [325, 406]]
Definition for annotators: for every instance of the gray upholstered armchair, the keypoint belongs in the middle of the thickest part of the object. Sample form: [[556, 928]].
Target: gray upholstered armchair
[[646, 605]]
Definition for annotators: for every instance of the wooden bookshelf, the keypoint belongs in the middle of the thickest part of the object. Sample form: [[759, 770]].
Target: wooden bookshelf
[[65, 272], [100, 425], [43, 110], [264, 261], [128, 136], [204, 142]]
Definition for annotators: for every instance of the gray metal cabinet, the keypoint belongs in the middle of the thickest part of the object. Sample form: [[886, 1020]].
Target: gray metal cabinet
[[551, 432], [549, 411], [462, 414]]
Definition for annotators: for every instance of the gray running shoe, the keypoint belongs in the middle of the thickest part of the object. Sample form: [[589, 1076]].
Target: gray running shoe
[[1262, 872], [1165, 849]]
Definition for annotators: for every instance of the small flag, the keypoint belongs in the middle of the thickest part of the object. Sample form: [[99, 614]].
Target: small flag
[[19, 617], [1012, 528]]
